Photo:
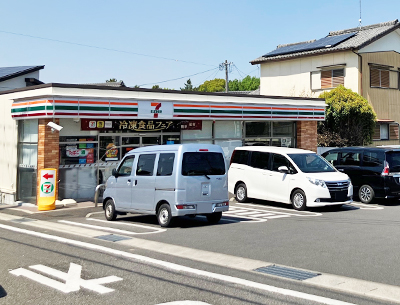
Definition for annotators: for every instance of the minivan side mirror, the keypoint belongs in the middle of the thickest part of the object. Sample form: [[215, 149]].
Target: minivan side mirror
[[114, 172], [283, 169]]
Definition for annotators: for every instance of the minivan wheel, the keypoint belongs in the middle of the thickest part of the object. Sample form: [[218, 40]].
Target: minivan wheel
[[366, 194], [241, 193], [109, 210], [164, 215], [214, 217], [299, 200]]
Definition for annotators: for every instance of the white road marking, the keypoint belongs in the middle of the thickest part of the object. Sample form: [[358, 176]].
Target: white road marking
[[73, 280], [284, 211], [179, 268], [90, 214], [156, 230], [185, 303], [128, 224]]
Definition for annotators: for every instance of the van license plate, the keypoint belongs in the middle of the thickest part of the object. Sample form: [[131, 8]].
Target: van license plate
[[205, 189]]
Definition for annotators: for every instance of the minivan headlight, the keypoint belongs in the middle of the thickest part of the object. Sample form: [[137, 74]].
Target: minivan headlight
[[317, 182]]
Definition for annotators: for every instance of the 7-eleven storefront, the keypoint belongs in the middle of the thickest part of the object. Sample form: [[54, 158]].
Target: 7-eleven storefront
[[100, 125]]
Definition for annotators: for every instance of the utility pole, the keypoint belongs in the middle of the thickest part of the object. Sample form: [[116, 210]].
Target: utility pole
[[225, 65]]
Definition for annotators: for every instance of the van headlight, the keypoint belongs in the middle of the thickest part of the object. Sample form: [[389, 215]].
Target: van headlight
[[317, 182]]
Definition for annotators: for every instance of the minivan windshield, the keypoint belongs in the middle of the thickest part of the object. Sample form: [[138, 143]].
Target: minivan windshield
[[311, 163], [203, 164]]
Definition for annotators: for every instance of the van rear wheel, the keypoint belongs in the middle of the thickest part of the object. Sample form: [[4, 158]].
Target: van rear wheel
[[214, 217], [164, 215], [241, 193], [299, 200], [109, 210], [366, 194]]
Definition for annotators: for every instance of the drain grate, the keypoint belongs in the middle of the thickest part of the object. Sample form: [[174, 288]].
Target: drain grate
[[290, 273], [23, 220], [112, 237]]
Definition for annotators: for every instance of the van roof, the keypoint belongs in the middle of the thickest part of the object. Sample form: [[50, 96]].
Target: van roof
[[274, 149], [176, 147]]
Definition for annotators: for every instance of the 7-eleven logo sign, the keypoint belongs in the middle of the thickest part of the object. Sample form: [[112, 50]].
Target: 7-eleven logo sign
[[156, 109]]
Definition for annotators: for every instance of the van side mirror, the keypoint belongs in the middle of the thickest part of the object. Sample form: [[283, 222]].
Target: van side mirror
[[283, 169], [114, 172]]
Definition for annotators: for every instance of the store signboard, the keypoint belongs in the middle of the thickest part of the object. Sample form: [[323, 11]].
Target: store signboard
[[89, 124], [155, 110], [140, 125], [47, 189]]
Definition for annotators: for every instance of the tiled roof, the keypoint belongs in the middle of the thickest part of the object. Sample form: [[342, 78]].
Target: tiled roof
[[110, 84], [364, 36], [11, 72]]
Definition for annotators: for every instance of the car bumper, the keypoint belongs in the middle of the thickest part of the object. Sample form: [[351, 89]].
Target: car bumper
[[319, 196]]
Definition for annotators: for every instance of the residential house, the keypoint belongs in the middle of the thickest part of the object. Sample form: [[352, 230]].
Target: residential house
[[364, 59]]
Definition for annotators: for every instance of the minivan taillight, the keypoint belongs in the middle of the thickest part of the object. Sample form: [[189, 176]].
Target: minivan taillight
[[386, 169], [232, 157]]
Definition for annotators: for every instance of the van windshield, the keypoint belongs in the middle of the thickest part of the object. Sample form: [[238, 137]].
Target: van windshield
[[203, 163], [311, 163]]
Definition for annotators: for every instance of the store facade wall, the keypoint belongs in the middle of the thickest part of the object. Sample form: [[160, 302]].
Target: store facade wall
[[101, 125]]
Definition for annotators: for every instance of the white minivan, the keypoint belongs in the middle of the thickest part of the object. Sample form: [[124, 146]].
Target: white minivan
[[288, 175], [169, 181]]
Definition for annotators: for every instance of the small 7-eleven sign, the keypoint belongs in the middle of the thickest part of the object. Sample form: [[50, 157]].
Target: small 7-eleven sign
[[47, 189]]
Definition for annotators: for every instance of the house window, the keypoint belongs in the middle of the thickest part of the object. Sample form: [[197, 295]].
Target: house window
[[379, 78], [332, 78], [384, 132]]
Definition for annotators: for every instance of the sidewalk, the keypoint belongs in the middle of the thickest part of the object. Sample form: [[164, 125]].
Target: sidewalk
[[32, 208]]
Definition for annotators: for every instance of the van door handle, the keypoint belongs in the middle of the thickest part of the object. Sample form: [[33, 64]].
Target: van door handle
[[135, 182], [129, 181]]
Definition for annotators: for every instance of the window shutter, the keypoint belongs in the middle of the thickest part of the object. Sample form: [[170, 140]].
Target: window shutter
[[384, 78], [375, 79], [377, 132], [393, 131], [326, 79], [337, 77]]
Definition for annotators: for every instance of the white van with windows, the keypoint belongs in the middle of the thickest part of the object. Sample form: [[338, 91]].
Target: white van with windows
[[288, 175], [169, 181]]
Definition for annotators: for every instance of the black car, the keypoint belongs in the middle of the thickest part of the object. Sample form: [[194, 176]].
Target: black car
[[374, 171]]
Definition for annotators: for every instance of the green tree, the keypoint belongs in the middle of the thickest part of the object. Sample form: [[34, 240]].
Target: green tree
[[111, 80], [246, 84], [349, 119], [188, 86], [214, 85]]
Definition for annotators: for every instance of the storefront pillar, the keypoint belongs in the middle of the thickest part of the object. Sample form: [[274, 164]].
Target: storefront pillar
[[307, 135], [48, 149]]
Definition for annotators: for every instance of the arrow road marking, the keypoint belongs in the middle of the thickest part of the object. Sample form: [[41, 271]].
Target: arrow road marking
[[73, 280]]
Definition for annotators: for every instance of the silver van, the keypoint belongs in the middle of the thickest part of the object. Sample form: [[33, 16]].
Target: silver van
[[169, 181]]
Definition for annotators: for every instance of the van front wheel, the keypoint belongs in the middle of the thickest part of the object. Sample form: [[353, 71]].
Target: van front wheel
[[299, 200], [164, 215], [241, 193], [109, 210], [214, 217]]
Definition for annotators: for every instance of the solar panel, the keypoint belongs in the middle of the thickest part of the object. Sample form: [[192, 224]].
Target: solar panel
[[326, 42]]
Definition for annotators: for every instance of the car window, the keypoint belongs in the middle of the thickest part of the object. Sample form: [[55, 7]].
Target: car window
[[240, 157], [332, 158], [145, 166], [280, 160], [125, 169], [165, 164], [393, 158], [203, 163], [259, 159], [311, 163], [373, 158], [350, 158]]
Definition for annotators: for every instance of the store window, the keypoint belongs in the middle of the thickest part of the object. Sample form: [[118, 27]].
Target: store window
[[27, 160], [78, 150], [270, 134]]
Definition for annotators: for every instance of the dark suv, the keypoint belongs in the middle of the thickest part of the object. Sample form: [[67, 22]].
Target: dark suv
[[374, 171]]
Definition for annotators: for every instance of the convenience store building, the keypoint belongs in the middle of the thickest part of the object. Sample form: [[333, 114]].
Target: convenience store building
[[102, 123]]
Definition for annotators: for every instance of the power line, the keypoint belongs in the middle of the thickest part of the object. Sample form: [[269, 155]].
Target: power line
[[213, 75], [107, 49], [164, 81]]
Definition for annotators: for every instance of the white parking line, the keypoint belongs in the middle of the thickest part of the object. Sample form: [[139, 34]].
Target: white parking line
[[108, 229]]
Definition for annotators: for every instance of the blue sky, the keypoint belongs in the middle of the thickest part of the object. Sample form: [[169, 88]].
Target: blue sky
[[176, 38]]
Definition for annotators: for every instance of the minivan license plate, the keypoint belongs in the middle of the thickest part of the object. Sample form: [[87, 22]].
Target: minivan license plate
[[205, 189]]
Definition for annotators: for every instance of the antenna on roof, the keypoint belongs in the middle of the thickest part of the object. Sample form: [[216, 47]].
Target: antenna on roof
[[359, 20]]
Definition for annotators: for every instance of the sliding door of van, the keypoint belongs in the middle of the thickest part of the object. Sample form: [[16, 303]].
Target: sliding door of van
[[278, 182], [143, 188], [257, 175]]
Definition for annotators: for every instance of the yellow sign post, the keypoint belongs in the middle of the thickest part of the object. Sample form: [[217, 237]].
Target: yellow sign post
[[48, 189]]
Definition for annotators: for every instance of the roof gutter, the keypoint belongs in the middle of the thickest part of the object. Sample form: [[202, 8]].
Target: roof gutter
[[360, 69]]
